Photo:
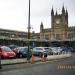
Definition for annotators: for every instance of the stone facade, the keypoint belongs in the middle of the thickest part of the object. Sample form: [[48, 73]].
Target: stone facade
[[12, 34], [59, 28]]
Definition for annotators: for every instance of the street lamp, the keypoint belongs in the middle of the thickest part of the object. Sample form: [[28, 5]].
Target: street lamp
[[28, 57]]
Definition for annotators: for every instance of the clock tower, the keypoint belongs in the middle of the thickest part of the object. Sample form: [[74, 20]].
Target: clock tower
[[59, 20]]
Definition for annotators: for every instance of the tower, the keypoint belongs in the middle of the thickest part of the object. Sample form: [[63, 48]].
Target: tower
[[59, 20], [64, 17], [41, 31]]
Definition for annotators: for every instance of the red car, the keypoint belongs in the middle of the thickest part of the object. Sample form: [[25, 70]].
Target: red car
[[6, 52]]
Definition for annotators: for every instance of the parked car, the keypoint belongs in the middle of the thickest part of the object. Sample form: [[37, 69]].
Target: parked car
[[55, 50], [50, 51], [70, 49], [39, 51], [6, 52], [12, 47], [73, 50], [22, 52]]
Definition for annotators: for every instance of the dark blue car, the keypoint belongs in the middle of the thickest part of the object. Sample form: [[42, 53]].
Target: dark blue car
[[67, 49], [22, 52]]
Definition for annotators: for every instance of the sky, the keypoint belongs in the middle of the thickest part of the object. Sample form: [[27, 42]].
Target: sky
[[14, 13]]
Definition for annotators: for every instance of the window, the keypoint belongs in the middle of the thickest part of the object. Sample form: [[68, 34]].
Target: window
[[70, 36], [39, 48], [6, 49], [58, 36], [47, 36]]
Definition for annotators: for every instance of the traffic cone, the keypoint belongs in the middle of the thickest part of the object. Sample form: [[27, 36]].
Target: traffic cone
[[32, 59], [43, 59]]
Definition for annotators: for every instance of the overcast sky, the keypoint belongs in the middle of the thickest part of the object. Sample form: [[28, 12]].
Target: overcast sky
[[14, 13]]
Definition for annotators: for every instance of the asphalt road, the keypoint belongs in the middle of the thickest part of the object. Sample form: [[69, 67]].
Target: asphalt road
[[60, 67]]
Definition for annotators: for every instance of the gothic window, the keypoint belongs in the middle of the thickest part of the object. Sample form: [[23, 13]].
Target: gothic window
[[47, 36], [70, 36], [58, 36]]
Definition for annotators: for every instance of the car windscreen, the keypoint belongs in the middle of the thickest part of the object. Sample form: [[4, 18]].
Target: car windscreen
[[39, 48], [23, 49], [54, 49], [6, 49], [46, 48]]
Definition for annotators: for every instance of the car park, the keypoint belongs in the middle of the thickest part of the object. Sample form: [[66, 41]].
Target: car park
[[6, 52], [22, 52], [39, 51]]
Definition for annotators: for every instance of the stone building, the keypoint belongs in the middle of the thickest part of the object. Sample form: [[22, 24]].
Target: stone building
[[59, 31]]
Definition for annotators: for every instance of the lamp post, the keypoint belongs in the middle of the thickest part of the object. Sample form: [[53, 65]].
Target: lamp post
[[28, 57]]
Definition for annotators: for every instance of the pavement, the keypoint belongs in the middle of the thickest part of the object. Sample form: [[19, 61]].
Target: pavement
[[36, 59], [47, 68]]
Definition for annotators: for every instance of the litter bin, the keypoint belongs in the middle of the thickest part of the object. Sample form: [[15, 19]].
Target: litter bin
[[0, 63]]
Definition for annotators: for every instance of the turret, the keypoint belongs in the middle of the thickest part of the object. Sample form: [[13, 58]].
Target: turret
[[66, 13], [52, 18], [66, 16], [63, 10], [41, 27], [56, 13], [52, 12]]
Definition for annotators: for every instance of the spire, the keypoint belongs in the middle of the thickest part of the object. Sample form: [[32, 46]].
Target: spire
[[66, 12], [52, 11], [66, 17], [41, 27], [63, 10], [56, 12], [41, 23]]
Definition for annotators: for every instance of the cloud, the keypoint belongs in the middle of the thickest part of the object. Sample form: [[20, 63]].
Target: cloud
[[14, 13]]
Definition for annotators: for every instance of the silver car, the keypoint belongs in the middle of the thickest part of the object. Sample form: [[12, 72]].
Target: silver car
[[55, 50], [39, 51]]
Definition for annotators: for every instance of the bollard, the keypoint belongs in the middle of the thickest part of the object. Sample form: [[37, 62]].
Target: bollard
[[0, 63], [42, 59], [32, 59]]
